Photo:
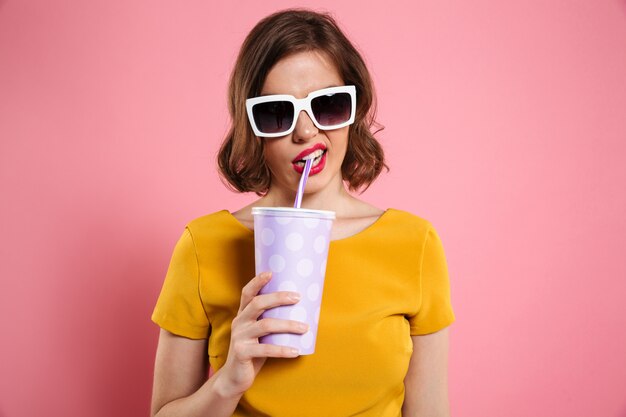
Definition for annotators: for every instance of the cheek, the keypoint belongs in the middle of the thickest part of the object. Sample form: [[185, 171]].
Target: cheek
[[339, 140], [272, 154]]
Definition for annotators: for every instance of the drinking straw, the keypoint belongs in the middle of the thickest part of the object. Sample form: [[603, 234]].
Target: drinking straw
[[303, 178]]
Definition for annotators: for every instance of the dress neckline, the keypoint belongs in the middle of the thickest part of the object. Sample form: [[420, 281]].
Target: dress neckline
[[368, 229]]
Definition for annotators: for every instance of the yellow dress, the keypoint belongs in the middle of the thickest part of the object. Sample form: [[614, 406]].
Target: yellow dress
[[382, 285]]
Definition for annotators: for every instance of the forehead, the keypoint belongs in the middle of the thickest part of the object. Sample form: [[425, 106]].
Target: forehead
[[299, 74]]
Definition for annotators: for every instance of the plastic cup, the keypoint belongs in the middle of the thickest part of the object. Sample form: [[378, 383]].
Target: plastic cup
[[293, 244]]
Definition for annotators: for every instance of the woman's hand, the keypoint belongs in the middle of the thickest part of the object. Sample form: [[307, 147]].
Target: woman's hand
[[246, 355]]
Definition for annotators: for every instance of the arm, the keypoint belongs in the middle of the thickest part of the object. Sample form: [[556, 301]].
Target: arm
[[426, 382], [180, 384]]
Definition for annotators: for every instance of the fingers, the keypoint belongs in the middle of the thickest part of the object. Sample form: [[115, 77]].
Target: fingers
[[247, 347], [246, 327], [271, 351], [244, 341], [253, 287], [253, 304], [263, 302], [247, 324], [267, 326]]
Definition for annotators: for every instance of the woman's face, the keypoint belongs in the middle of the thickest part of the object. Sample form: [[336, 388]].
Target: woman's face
[[298, 75]]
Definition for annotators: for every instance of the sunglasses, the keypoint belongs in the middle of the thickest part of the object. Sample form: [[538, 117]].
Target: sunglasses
[[276, 115]]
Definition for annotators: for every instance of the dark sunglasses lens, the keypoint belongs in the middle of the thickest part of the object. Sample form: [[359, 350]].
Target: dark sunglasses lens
[[332, 109], [273, 116]]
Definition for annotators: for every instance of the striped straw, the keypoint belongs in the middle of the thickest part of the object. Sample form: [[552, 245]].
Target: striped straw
[[303, 178]]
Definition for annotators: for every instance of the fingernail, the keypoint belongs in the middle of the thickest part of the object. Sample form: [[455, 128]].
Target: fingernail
[[294, 296], [266, 275], [294, 352], [303, 326]]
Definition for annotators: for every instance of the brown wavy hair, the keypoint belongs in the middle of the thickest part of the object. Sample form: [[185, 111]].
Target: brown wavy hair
[[240, 159]]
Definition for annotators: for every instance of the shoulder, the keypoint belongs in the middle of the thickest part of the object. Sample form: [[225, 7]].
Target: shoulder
[[212, 219], [406, 230], [217, 233], [416, 232], [220, 224], [408, 220]]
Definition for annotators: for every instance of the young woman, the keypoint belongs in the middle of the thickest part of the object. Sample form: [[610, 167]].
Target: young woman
[[382, 341]]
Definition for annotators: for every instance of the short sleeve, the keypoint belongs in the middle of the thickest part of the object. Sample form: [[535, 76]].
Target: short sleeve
[[179, 308], [435, 311]]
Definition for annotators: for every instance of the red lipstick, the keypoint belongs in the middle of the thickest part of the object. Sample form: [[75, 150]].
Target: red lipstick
[[308, 151], [315, 169]]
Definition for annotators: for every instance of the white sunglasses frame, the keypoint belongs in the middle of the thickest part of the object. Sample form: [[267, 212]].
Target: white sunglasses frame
[[300, 104]]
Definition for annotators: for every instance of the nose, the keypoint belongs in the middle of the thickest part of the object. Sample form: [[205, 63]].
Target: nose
[[305, 128]]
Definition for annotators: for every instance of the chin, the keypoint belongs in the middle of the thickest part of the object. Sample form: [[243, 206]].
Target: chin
[[319, 183]]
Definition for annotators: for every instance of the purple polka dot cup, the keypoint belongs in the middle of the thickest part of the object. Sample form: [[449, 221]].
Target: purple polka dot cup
[[293, 244]]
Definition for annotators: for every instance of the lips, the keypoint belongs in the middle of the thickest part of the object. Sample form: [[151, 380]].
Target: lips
[[304, 153], [318, 167]]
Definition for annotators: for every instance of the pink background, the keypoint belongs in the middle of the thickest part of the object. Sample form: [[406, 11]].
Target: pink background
[[505, 127]]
